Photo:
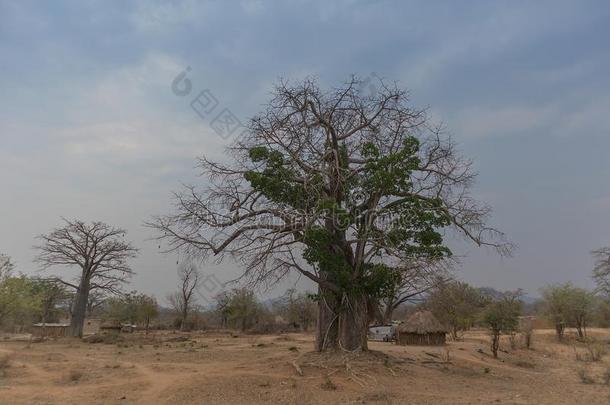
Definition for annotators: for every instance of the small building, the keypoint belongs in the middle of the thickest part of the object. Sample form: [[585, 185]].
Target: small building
[[422, 328], [111, 326], [40, 330]]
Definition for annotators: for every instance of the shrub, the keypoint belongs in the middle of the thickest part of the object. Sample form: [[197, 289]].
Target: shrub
[[596, 350], [502, 316], [585, 378]]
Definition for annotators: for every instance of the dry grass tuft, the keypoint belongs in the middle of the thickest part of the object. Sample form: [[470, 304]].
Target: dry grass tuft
[[75, 375], [379, 396], [525, 364], [5, 363], [596, 350], [328, 385]]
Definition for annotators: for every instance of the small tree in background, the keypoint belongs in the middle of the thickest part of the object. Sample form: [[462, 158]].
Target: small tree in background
[[25, 300], [581, 309], [243, 308], [502, 316], [298, 309], [148, 309], [567, 305], [556, 306], [222, 309], [6, 266], [457, 305], [50, 294], [133, 307], [18, 303], [601, 271], [184, 300]]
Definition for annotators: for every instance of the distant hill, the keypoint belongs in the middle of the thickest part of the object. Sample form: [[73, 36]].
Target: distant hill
[[496, 294]]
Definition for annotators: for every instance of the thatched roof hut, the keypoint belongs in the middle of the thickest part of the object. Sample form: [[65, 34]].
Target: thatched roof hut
[[50, 329], [422, 328], [110, 326]]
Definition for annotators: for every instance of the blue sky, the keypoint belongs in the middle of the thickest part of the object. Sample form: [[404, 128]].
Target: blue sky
[[90, 128]]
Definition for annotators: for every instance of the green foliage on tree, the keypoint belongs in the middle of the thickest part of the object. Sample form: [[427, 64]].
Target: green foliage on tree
[[6, 266], [135, 308], [502, 317], [457, 305], [243, 308], [25, 300], [344, 189], [581, 310], [556, 306], [568, 306]]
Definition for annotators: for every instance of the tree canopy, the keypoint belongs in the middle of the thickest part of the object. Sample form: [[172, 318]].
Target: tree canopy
[[344, 188]]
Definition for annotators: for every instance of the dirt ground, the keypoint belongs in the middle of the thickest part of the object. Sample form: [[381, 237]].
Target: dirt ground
[[219, 367]]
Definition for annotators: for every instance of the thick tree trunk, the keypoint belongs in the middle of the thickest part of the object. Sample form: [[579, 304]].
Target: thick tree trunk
[[79, 311], [183, 323], [559, 330], [580, 327], [327, 330], [353, 323], [495, 344]]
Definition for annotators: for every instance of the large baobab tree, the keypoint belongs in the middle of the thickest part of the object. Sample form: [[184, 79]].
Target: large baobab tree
[[339, 186], [184, 299], [100, 253]]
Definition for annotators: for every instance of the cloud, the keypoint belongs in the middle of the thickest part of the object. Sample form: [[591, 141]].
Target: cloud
[[556, 118], [480, 122], [89, 126]]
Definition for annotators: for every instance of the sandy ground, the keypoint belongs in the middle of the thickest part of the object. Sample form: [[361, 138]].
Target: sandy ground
[[211, 368]]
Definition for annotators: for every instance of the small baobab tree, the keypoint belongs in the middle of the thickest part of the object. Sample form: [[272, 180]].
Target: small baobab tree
[[184, 300], [339, 186], [98, 250]]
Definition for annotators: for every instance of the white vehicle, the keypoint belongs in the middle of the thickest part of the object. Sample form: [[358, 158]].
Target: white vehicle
[[382, 333]]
